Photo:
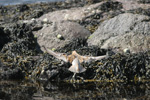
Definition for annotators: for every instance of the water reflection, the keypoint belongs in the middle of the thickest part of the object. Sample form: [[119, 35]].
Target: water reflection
[[54, 91]]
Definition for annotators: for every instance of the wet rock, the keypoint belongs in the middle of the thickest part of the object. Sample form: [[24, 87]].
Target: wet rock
[[47, 36], [60, 90], [125, 31], [15, 90]]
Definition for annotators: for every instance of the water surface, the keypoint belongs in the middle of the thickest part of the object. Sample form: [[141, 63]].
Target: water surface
[[69, 91], [13, 2]]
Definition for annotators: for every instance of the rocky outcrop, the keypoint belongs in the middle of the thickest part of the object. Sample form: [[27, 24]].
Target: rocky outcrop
[[125, 31], [45, 76], [88, 16], [71, 14], [58, 34]]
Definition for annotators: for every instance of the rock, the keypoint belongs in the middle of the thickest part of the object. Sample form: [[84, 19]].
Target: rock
[[88, 16], [78, 13], [49, 35], [22, 41], [126, 31]]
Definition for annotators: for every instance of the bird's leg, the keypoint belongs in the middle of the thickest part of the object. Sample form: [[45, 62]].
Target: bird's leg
[[73, 77]]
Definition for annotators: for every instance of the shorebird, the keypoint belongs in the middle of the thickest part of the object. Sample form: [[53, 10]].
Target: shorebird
[[75, 59]]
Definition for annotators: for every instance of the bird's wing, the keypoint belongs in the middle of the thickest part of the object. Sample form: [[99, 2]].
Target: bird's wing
[[61, 56], [88, 58], [98, 57], [76, 67]]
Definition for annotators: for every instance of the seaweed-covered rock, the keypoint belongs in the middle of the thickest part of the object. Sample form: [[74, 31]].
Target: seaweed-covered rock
[[110, 5], [16, 67], [21, 40], [49, 68], [80, 45], [119, 67], [17, 51]]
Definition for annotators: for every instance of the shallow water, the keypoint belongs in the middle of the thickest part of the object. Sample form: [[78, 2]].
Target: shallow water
[[67, 91], [13, 2]]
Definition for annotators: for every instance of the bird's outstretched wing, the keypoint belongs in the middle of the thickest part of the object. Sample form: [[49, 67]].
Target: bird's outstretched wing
[[61, 56], [88, 58], [76, 66]]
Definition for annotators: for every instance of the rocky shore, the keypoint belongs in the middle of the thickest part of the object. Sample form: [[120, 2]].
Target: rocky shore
[[90, 27]]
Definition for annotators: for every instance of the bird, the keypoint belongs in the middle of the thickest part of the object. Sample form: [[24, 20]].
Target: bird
[[75, 59], [76, 67]]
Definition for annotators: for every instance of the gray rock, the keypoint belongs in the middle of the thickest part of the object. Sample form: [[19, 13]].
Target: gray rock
[[78, 13], [125, 31], [48, 35]]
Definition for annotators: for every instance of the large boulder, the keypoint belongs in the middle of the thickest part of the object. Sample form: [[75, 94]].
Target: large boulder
[[57, 34], [125, 31]]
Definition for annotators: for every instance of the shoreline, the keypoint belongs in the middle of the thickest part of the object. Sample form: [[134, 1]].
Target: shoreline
[[27, 3]]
